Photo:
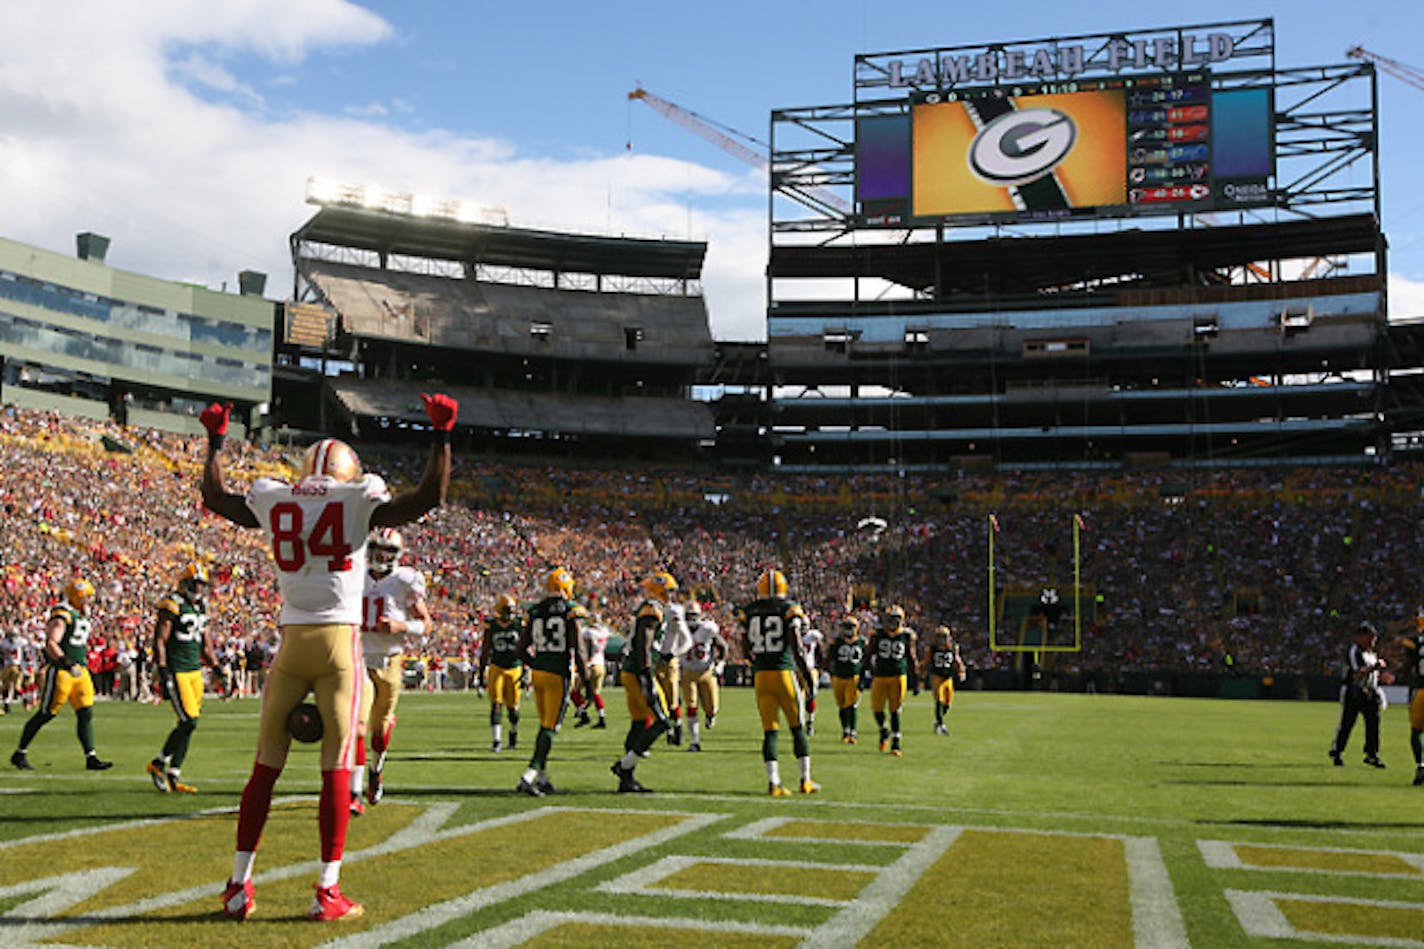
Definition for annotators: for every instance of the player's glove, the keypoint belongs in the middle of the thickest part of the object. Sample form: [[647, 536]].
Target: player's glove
[[76, 670], [442, 410], [214, 419], [914, 685], [665, 658]]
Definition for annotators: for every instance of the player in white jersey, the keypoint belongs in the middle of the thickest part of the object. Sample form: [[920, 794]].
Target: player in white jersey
[[12, 655], [317, 529], [593, 646], [700, 667], [813, 642], [392, 607]]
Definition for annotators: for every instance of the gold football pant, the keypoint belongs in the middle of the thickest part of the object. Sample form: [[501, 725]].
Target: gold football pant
[[668, 675], [1416, 710], [503, 685], [700, 690], [887, 690], [944, 690], [379, 701], [551, 694], [777, 691], [643, 703], [326, 660], [846, 690], [185, 693], [61, 687]]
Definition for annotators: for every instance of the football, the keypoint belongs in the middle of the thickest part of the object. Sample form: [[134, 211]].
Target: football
[[304, 723]]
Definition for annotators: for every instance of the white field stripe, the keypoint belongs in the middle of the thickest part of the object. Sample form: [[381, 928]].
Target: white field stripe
[[102, 828], [430, 917], [1222, 855], [527, 927], [641, 882], [884, 893], [1259, 916], [56, 894], [1156, 917], [758, 830], [420, 831]]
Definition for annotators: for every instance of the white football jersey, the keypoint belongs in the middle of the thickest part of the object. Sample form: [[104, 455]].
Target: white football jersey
[[11, 649], [699, 657], [318, 529], [593, 641], [811, 641], [392, 596]]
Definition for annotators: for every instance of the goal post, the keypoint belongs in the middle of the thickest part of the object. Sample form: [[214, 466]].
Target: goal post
[[1026, 618]]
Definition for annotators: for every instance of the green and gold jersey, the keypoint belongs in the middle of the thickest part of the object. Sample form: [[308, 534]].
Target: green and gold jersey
[[1414, 660], [553, 632], [185, 643], [847, 657], [75, 641], [944, 661], [649, 622], [502, 643], [774, 626], [890, 652]]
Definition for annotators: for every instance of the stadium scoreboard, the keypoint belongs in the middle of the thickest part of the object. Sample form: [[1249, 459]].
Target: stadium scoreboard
[[1067, 143]]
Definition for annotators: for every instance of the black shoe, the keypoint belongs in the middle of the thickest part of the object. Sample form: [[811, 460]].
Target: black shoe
[[1335, 757], [21, 761], [496, 747], [513, 741], [600, 724], [543, 786], [711, 721], [582, 720], [627, 784], [524, 787], [695, 746], [1419, 776], [1373, 761], [92, 763], [675, 735]]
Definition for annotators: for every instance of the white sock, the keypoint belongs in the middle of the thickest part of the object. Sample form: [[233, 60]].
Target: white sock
[[773, 772], [358, 781], [496, 729], [530, 775], [696, 729], [805, 764], [242, 865], [629, 761], [330, 873]]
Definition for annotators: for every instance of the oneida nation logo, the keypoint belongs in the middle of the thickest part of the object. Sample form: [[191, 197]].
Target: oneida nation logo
[[1021, 147]]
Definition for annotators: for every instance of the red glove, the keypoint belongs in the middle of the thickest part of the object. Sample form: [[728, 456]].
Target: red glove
[[442, 410], [214, 418]]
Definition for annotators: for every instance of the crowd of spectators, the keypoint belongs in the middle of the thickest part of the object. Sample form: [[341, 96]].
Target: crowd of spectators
[[1252, 570]]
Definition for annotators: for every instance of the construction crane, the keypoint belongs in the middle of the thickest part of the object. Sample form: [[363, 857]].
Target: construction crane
[[1393, 67], [717, 134]]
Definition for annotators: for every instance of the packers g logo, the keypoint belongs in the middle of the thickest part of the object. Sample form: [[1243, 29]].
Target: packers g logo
[[1021, 147]]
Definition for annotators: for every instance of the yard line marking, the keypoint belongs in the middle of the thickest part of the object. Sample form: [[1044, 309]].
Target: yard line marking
[[1222, 855], [1259, 916], [430, 917], [640, 882], [1156, 917], [139, 822], [527, 927], [758, 830]]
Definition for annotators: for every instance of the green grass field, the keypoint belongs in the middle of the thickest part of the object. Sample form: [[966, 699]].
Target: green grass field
[[1041, 820]]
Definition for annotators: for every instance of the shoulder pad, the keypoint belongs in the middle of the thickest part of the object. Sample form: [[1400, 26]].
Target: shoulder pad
[[61, 611], [649, 608], [577, 611], [794, 609], [169, 604]]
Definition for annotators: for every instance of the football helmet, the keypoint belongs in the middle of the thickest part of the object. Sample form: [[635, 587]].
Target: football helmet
[[893, 617], [193, 577], [942, 635], [78, 592], [331, 458], [559, 582], [693, 612], [850, 626], [771, 582], [659, 586], [504, 607], [385, 546]]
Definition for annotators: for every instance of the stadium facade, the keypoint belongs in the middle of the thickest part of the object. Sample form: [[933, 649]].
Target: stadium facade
[[83, 338]]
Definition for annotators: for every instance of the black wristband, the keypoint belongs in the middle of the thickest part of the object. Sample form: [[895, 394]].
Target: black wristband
[[215, 441], [442, 436]]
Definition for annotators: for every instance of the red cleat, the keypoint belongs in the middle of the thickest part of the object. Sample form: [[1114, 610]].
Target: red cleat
[[329, 904], [238, 902]]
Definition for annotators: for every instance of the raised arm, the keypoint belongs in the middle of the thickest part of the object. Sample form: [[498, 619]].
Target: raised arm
[[430, 493], [216, 497]]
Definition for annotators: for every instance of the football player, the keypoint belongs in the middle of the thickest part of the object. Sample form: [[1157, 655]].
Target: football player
[[502, 667], [647, 707], [893, 661], [12, 672], [318, 530], [593, 646], [699, 671], [1414, 668], [847, 652], [775, 629], [670, 646], [552, 638], [946, 668], [392, 606], [66, 677], [813, 641], [180, 650]]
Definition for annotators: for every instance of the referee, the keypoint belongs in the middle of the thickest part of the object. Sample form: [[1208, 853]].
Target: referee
[[1360, 695]]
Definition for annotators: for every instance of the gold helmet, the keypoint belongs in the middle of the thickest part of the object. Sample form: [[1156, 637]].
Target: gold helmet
[[943, 634], [504, 607], [385, 546], [659, 586], [850, 625], [771, 582], [78, 592], [331, 458], [559, 582], [192, 577], [893, 616]]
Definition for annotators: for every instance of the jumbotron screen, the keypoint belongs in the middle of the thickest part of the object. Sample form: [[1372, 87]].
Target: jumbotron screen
[[1110, 148]]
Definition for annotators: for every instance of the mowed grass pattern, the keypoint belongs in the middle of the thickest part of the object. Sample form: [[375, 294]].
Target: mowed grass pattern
[[1174, 770]]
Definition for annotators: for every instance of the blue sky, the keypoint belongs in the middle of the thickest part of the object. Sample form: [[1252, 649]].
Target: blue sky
[[186, 130]]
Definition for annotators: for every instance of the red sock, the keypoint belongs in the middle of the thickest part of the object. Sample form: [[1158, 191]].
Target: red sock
[[334, 812], [256, 802], [379, 743], [676, 713], [361, 751], [598, 700]]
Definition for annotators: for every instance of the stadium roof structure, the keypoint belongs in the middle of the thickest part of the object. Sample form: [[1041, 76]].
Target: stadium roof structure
[[387, 233], [1021, 265]]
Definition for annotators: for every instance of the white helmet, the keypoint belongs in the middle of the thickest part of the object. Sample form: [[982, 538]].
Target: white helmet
[[385, 546]]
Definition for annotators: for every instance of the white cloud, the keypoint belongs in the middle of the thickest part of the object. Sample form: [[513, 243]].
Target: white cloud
[[126, 119], [1406, 297]]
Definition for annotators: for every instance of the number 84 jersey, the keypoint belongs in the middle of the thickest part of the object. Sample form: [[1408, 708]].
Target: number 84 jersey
[[774, 628], [317, 529]]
